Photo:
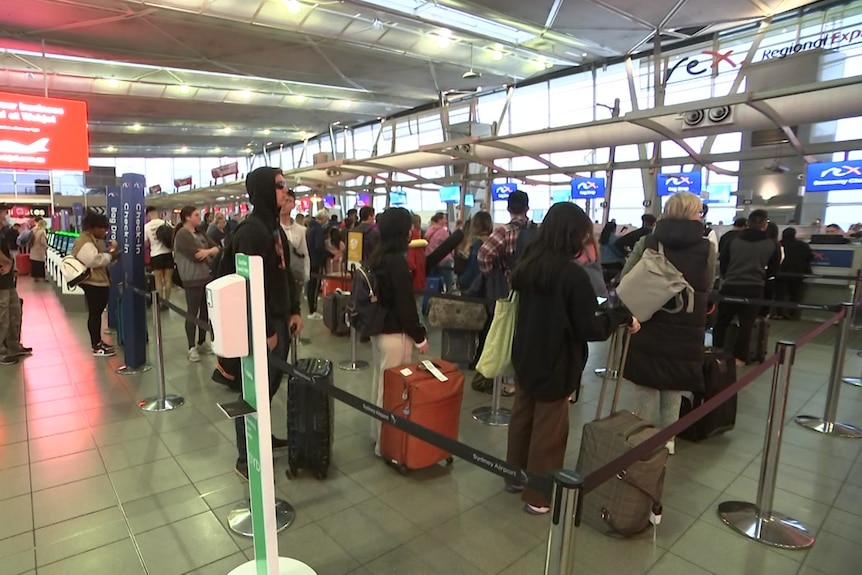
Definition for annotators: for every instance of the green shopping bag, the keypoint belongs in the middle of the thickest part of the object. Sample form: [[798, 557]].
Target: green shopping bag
[[496, 359]]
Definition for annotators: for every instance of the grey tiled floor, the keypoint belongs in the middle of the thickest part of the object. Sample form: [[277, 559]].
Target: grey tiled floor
[[91, 485]]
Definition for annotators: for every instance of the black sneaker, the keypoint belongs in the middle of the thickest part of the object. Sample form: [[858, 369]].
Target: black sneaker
[[107, 346], [101, 350], [22, 351], [8, 360], [278, 443], [241, 469]]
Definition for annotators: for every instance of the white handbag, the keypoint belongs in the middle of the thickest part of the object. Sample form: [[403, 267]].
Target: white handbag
[[74, 271]]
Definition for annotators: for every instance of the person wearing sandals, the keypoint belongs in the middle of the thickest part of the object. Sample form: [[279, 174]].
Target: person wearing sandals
[[557, 315]]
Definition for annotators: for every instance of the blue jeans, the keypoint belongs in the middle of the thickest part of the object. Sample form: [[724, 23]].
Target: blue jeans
[[447, 272], [275, 375]]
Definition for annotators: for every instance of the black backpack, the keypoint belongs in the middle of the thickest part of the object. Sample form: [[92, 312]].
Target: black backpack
[[165, 234], [525, 236], [365, 312]]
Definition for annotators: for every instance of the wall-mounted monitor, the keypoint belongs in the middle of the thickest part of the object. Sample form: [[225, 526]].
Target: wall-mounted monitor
[[450, 194]]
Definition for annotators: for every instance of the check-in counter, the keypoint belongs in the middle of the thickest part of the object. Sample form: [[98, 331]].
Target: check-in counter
[[833, 260]]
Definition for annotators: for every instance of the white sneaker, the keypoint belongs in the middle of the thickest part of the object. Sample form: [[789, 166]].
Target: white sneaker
[[205, 348], [193, 355], [315, 315], [671, 445]]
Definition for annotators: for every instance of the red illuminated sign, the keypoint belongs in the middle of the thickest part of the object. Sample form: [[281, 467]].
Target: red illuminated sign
[[231, 169], [180, 182], [43, 133], [155, 189]]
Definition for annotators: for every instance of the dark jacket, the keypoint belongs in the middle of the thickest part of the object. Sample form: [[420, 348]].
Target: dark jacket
[[797, 257], [370, 239], [667, 353], [552, 329], [315, 237], [395, 289], [7, 280], [262, 236], [628, 241], [724, 241], [466, 279], [749, 258]]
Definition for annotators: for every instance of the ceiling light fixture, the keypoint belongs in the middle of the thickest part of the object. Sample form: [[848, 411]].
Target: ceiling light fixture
[[294, 7], [496, 54], [346, 103], [471, 74], [185, 89], [443, 37], [136, 127], [227, 130], [584, 54], [113, 82], [377, 23], [541, 64], [184, 149], [217, 150], [110, 149], [244, 94], [266, 132]]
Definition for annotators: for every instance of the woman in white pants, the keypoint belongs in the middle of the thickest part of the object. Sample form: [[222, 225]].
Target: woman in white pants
[[402, 330]]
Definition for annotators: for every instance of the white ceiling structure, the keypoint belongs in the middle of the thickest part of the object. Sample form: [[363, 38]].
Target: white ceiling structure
[[221, 77]]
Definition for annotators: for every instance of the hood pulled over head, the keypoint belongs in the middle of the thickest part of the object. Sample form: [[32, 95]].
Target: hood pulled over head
[[260, 185]]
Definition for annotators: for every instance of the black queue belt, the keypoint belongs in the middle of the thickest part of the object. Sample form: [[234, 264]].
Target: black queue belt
[[540, 483], [717, 297], [789, 275], [642, 450]]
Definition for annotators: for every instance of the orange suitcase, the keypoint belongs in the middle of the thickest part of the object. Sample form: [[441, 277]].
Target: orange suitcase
[[332, 282], [22, 264], [423, 399]]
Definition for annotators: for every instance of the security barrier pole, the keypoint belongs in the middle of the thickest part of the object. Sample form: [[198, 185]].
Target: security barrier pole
[[162, 401], [759, 521], [565, 506], [827, 423], [494, 415], [353, 364]]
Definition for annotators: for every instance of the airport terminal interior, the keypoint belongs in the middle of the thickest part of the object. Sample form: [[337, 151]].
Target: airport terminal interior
[[109, 107]]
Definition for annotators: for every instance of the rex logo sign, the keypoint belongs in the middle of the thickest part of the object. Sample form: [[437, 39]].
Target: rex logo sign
[[697, 67]]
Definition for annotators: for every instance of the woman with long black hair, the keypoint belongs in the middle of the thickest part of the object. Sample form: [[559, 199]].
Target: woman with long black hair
[[402, 330], [192, 252], [557, 315]]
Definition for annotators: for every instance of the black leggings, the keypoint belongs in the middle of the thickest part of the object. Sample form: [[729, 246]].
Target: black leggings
[[197, 307], [312, 290], [97, 300]]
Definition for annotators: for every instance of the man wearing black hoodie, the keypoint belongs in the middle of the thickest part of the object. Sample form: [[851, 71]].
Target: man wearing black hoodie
[[261, 235], [745, 263]]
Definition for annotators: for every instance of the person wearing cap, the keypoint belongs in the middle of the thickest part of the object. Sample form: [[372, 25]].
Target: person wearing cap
[[316, 241], [10, 304]]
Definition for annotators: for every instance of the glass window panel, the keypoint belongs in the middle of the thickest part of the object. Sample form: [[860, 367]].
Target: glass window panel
[[68, 183], [490, 107], [571, 100], [363, 141], [7, 182], [27, 180], [131, 166], [530, 109]]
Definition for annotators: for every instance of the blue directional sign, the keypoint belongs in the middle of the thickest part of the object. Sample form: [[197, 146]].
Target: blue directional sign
[[669, 184], [587, 188], [114, 206], [830, 176], [500, 192], [131, 233]]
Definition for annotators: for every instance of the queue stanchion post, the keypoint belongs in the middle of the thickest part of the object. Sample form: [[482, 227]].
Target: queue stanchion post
[[494, 415], [759, 521], [163, 401], [565, 518], [240, 520], [828, 424], [353, 364]]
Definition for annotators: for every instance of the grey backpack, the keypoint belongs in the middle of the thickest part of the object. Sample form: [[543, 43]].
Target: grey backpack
[[652, 284]]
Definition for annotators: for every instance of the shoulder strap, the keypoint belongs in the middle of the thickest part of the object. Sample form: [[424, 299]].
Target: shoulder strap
[[660, 248]]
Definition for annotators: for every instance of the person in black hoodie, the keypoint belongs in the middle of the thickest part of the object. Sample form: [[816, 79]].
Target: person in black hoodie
[[315, 237], [261, 235], [402, 329], [666, 356], [797, 260], [745, 264], [557, 315]]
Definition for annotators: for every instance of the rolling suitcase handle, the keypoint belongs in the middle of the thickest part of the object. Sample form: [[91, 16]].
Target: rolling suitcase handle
[[614, 364]]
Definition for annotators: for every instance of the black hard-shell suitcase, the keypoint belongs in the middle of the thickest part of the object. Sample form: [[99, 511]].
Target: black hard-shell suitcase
[[335, 307], [310, 419], [758, 343], [719, 371]]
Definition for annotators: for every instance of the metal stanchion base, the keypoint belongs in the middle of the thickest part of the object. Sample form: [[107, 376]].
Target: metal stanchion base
[[285, 567], [857, 381], [487, 416], [239, 518], [776, 529], [837, 429], [153, 404], [304, 341], [601, 371], [349, 365], [128, 370]]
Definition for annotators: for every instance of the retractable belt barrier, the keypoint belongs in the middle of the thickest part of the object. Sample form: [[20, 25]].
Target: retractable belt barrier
[[791, 275], [488, 462], [717, 297], [614, 467]]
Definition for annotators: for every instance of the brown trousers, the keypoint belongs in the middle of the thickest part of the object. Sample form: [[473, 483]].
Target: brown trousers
[[538, 432]]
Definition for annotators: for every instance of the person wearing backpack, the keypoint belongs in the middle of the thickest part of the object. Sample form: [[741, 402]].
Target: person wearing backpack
[[496, 258], [370, 234], [666, 357], [400, 329], [158, 236]]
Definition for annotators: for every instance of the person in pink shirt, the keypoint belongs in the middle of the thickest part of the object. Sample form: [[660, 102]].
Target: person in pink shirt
[[436, 234]]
